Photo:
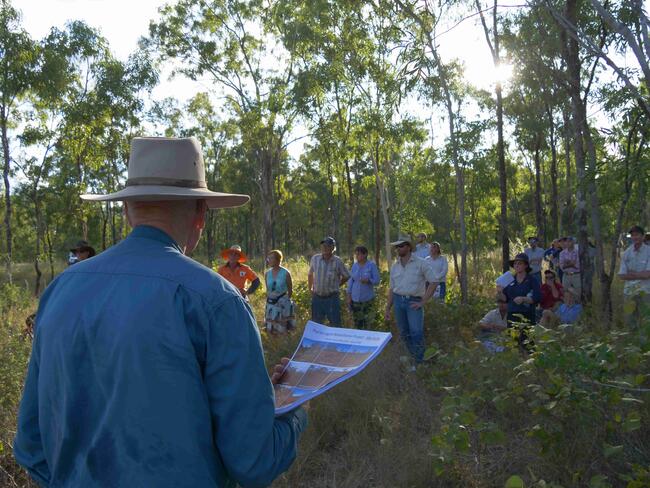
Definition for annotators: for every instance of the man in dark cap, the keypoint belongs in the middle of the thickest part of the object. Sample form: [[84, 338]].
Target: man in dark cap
[[327, 274]]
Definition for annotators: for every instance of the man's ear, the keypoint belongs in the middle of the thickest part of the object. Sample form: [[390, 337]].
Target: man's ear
[[201, 209], [125, 211]]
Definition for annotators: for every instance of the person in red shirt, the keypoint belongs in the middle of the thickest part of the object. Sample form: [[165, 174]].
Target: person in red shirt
[[237, 273], [552, 291]]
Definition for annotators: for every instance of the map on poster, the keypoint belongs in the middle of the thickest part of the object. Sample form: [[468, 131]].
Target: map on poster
[[325, 357]]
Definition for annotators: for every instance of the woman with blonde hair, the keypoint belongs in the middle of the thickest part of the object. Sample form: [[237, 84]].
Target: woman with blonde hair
[[279, 315]]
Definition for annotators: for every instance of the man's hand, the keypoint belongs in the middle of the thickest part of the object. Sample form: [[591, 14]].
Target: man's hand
[[348, 299], [278, 370], [519, 300], [417, 305]]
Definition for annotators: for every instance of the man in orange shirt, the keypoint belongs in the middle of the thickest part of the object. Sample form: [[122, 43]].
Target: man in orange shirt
[[237, 272]]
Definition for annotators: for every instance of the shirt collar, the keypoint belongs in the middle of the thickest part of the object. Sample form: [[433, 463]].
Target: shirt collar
[[155, 234]]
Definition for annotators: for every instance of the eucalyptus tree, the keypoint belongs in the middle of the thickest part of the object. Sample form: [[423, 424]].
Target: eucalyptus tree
[[418, 21], [494, 44], [230, 42], [18, 60]]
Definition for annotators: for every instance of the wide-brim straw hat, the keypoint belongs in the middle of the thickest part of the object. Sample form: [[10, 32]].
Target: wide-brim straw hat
[[165, 168], [225, 254]]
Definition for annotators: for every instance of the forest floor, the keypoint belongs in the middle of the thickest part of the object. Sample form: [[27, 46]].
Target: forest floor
[[573, 413]]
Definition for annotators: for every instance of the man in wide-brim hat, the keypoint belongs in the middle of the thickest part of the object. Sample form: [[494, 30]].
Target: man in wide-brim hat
[[81, 251], [156, 377], [237, 273], [409, 292]]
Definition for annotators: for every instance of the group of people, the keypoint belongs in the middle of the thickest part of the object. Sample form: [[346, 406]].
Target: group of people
[[158, 377], [524, 299], [328, 273]]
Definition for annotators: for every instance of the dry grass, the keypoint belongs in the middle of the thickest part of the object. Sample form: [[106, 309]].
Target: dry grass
[[376, 429]]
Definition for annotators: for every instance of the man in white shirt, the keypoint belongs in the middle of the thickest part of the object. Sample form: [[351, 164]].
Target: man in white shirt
[[408, 292], [439, 264], [493, 323], [422, 248], [635, 271], [535, 257]]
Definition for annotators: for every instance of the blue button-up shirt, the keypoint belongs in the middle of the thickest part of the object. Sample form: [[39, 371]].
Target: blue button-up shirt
[[147, 370], [363, 292]]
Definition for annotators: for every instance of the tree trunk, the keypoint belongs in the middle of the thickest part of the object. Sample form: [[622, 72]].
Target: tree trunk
[[267, 204], [5, 173], [539, 212], [37, 250], [50, 251], [573, 67], [460, 189], [383, 200], [350, 211], [377, 231], [503, 188], [555, 222], [568, 225]]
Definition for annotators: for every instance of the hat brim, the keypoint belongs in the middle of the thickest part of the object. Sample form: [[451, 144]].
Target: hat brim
[[397, 243], [512, 264], [225, 254], [155, 193]]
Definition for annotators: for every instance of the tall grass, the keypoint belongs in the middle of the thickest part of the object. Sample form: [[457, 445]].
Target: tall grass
[[573, 413]]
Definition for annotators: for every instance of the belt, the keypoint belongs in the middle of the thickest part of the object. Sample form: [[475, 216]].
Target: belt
[[571, 272], [408, 297], [329, 295]]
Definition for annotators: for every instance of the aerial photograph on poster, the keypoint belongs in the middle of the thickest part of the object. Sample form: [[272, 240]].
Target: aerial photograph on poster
[[332, 353], [324, 357]]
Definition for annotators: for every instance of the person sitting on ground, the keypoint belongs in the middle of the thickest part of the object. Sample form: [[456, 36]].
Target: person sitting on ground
[[360, 296], [422, 247], [552, 291], [279, 313], [493, 323], [440, 266], [523, 293], [635, 272], [237, 273], [535, 257], [81, 252], [566, 313]]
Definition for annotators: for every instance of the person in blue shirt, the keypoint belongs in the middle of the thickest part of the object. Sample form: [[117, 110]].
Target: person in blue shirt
[[364, 276], [157, 378], [523, 294], [567, 313]]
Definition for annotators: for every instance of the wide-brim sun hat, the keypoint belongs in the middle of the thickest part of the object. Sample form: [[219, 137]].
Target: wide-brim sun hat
[[521, 257], [166, 168], [402, 240], [225, 254]]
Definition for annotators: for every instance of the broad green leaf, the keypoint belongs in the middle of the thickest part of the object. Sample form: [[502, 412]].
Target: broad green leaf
[[514, 482]]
